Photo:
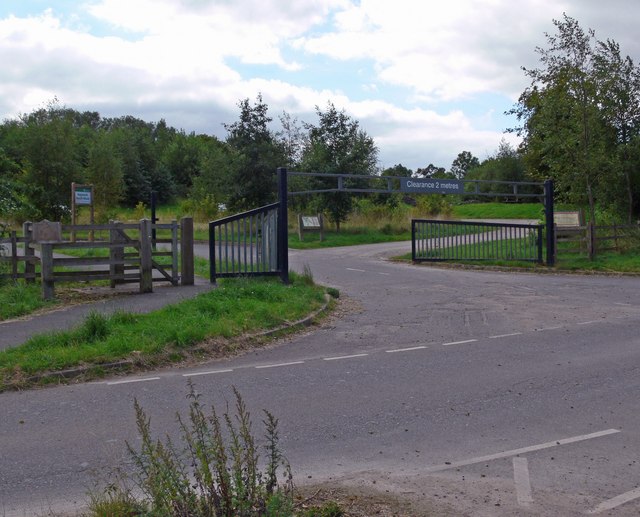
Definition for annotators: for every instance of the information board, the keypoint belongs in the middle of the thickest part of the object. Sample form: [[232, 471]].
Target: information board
[[83, 196]]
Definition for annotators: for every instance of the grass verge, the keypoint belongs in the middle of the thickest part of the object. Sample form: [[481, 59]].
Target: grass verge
[[202, 326], [19, 299]]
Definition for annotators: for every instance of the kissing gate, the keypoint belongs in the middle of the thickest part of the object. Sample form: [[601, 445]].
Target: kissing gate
[[255, 243]]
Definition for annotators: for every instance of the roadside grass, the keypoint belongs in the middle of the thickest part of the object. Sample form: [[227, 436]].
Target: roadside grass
[[498, 211], [237, 307], [19, 298]]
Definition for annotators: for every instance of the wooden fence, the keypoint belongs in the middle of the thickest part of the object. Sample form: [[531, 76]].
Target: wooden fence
[[592, 239], [128, 255]]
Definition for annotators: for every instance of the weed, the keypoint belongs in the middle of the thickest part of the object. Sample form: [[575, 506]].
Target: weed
[[215, 472], [95, 327]]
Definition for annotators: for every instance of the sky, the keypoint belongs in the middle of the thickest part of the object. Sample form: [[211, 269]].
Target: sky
[[426, 79]]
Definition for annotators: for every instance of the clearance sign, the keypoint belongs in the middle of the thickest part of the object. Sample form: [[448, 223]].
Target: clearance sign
[[431, 186]]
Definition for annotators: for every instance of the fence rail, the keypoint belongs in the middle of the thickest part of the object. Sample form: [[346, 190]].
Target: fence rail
[[592, 239], [245, 244], [433, 240], [129, 255]]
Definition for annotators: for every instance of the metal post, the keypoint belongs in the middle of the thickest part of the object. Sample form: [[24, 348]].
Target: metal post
[[212, 253], [548, 212], [283, 235]]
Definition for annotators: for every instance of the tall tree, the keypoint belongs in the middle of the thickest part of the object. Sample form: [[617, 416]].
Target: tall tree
[[258, 153], [463, 163], [565, 134], [337, 144]]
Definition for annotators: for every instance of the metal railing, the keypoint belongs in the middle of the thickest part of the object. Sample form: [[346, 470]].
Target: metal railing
[[245, 244], [433, 240]]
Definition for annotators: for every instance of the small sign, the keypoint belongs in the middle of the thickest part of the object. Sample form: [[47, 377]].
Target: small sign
[[310, 221], [431, 186], [569, 219], [83, 196], [47, 231]]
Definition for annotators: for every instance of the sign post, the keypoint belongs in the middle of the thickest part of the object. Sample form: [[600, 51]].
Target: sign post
[[81, 195]]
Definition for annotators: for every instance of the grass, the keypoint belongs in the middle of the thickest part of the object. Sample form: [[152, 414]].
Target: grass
[[18, 299], [236, 307], [498, 211]]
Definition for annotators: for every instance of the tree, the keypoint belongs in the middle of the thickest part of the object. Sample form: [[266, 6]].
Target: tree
[[338, 145], [505, 165], [258, 155], [433, 171], [619, 94], [463, 163], [565, 134], [104, 172]]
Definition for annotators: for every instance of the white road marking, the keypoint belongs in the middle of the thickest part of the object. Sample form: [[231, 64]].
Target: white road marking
[[358, 270], [130, 381], [279, 364], [343, 357], [620, 303], [521, 478], [386, 274], [610, 504], [421, 347], [548, 328], [587, 322], [211, 372], [459, 342], [523, 450], [506, 335]]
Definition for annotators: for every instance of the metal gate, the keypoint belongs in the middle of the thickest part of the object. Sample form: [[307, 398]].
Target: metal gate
[[433, 240]]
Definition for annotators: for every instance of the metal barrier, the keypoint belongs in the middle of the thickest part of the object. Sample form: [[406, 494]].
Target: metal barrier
[[433, 240], [245, 244]]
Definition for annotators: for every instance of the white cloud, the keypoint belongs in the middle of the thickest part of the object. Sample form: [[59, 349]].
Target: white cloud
[[177, 59]]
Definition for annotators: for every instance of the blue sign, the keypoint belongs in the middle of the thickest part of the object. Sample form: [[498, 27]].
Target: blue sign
[[431, 186]]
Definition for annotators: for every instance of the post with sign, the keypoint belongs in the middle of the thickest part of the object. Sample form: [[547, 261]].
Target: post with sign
[[81, 195]]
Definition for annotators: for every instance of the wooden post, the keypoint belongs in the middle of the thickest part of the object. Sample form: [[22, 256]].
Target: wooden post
[[174, 253], [29, 254], [116, 254], [300, 231], [591, 241], [187, 273], [146, 263], [46, 271], [14, 256], [321, 220]]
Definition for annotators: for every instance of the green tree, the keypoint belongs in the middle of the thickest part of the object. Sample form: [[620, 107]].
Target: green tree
[[50, 159], [505, 165], [104, 172], [257, 156], [337, 144], [619, 97], [565, 134], [463, 163]]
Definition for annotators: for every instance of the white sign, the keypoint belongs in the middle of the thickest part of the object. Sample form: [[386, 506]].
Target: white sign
[[83, 196]]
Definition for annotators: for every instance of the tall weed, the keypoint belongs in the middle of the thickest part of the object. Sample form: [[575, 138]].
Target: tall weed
[[215, 472]]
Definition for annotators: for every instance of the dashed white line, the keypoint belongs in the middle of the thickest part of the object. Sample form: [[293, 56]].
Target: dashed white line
[[548, 328], [587, 322], [523, 450], [386, 274], [278, 365], [211, 372], [522, 481], [610, 504], [506, 335], [337, 358], [459, 342], [130, 381], [421, 347], [358, 270]]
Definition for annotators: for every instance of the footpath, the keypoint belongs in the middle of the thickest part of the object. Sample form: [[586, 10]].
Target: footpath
[[126, 298]]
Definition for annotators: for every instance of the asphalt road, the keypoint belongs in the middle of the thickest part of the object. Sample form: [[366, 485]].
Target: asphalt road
[[493, 393]]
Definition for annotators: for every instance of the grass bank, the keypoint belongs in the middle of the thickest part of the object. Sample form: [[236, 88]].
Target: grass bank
[[204, 325]]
